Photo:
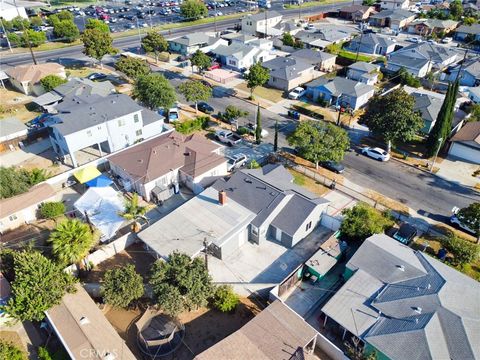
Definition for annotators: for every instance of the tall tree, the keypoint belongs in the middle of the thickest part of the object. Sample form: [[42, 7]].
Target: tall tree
[[201, 60], [258, 126], [97, 24], [257, 76], [232, 113], [133, 211], [71, 241], [393, 117], [318, 141], [195, 91], [50, 82], [38, 285], [470, 215], [456, 9], [132, 67], [122, 286], [287, 39], [154, 43], [193, 10], [275, 138], [154, 91], [66, 30], [97, 44], [180, 283]]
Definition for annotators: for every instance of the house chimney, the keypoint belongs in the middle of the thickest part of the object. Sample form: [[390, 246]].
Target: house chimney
[[222, 197]]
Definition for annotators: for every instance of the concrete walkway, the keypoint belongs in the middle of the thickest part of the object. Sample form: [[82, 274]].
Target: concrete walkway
[[13, 158]]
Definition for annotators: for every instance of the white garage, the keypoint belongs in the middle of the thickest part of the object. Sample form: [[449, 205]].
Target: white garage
[[466, 143]]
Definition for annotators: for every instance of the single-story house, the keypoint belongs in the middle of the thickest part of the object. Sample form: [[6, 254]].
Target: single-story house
[[426, 27], [251, 205], [312, 40], [190, 43], [74, 87], [340, 92], [356, 12], [394, 4], [404, 304], [257, 24], [275, 333], [396, 20], [23, 208], [469, 72], [322, 61], [465, 144], [286, 73], [154, 167], [240, 57], [474, 94], [467, 32], [371, 43], [363, 72], [84, 331], [12, 131], [26, 78], [238, 38], [416, 67]]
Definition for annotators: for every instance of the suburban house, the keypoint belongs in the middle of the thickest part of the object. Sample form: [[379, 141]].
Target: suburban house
[[190, 43], [467, 32], [374, 44], [74, 87], [465, 144], [406, 304], [394, 4], [469, 72], [340, 92], [26, 78], [238, 38], [155, 167], [262, 23], [474, 94], [109, 123], [84, 331], [357, 13], [23, 208], [12, 131], [240, 57], [324, 36], [251, 205], [429, 106], [286, 73], [363, 72], [312, 40], [322, 61], [9, 10], [396, 20], [415, 66], [427, 27], [291, 26], [275, 333]]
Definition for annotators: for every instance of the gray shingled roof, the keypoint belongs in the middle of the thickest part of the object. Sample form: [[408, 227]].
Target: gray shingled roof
[[406, 61], [397, 14], [312, 56], [473, 29], [435, 23], [261, 15], [363, 66], [408, 305], [436, 53], [340, 86], [193, 39], [372, 39], [429, 106], [237, 50], [10, 126], [287, 68]]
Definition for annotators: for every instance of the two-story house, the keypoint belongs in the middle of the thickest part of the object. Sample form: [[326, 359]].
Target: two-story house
[[363, 72], [107, 123], [190, 43], [262, 23], [394, 4]]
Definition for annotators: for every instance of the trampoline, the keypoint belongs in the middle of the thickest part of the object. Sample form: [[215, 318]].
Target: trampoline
[[158, 335]]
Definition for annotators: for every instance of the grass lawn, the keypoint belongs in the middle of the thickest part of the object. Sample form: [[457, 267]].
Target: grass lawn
[[352, 56], [313, 3], [273, 95], [308, 183]]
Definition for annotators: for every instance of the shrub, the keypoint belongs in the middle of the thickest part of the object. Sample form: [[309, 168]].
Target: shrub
[[43, 354], [190, 126], [50, 82], [10, 351], [225, 298], [121, 286], [242, 131], [254, 164], [50, 210], [363, 221], [463, 251]]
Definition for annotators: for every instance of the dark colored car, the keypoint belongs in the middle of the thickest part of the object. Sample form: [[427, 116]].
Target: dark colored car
[[405, 233], [333, 166], [204, 107], [96, 76]]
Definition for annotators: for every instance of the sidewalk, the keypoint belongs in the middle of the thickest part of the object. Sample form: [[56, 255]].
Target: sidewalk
[[458, 171]]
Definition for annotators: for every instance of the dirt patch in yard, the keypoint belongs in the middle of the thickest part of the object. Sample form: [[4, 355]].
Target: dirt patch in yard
[[36, 233], [13, 338], [270, 94], [16, 104]]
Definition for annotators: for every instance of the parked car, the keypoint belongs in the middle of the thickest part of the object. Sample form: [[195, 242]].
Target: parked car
[[173, 114], [296, 93], [405, 234], [227, 137], [215, 65], [447, 40], [204, 107], [457, 220], [376, 153], [96, 76], [236, 161], [333, 166]]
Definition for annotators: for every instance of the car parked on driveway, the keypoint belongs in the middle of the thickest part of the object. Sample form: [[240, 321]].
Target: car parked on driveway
[[457, 220], [333, 166], [376, 153], [228, 137], [405, 234], [236, 161], [96, 76], [296, 93], [204, 107]]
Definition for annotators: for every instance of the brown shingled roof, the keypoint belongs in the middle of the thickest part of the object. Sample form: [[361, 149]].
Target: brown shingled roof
[[193, 154], [469, 133], [35, 195], [34, 73]]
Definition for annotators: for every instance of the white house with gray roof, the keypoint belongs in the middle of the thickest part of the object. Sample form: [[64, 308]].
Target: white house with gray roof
[[287, 73], [240, 56], [374, 44], [108, 123], [469, 72], [190, 43], [406, 305], [464, 31], [363, 72], [261, 23], [322, 61], [340, 92], [251, 205]]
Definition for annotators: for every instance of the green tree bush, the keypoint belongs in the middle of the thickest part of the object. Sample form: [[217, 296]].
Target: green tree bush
[[189, 126], [362, 221], [133, 211], [52, 209], [36, 38], [97, 24], [470, 215], [20, 23], [154, 43], [97, 44], [201, 60], [15, 181], [195, 91], [225, 298], [132, 67], [288, 39], [122, 286], [50, 82], [258, 127], [66, 30], [405, 78], [9, 351], [154, 91], [257, 76], [193, 10], [44, 354], [36, 21], [232, 113], [463, 251]]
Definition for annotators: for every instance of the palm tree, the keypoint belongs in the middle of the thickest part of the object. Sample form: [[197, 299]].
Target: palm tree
[[71, 241], [133, 211]]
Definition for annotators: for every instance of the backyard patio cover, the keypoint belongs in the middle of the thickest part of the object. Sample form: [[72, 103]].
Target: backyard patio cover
[[100, 181], [102, 204], [86, 174]]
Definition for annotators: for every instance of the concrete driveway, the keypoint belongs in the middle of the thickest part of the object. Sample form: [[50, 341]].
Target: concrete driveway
[[458, 171]]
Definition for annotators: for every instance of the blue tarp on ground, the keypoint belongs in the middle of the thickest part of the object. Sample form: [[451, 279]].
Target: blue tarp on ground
[[100, 181]]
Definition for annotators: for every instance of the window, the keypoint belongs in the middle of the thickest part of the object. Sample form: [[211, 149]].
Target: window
[[99, 128], [89, 133], [138, 132], [12, 217], [121, 122], [254, 230], [136, 118], [309, 226]]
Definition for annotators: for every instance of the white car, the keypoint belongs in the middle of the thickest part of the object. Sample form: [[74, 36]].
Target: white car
[[414, 40], [296, 93], [458, 220], [376, 153], [447, 40], [236, 161]]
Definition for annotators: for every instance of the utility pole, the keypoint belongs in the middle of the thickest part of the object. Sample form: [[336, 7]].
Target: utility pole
[[215, 17], [25, 33], [436, 153], [358, 47], [205, 249], [266, 27]]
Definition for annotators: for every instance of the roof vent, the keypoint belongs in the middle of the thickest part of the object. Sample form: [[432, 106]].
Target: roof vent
[[140, 160], [247, 180], [417, 309], [429, 286], [187, 153], [416, 320], [155, 152], [84, 320], [401, 267], [109, 356]]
